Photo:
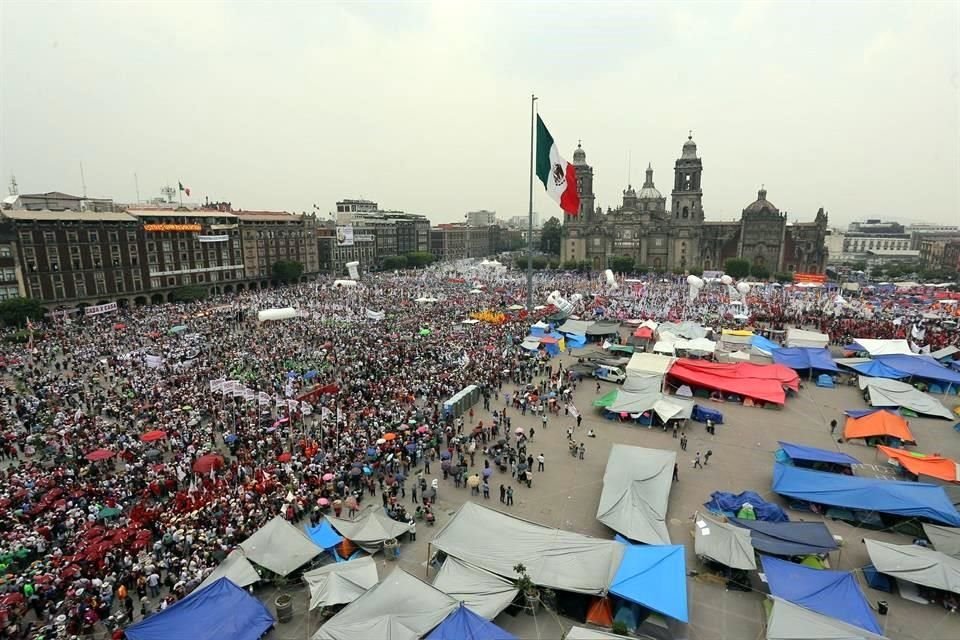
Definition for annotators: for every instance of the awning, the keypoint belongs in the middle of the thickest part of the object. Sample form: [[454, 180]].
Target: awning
[[789, 621], [464, 624], [788, 538], [802, 338], [486, 594], [813, 454], [878, 424], [874, 369], [655, 577], [649, 364], [745, 379], [280, 547], [603, 328], [883, 347], [944, 539], [341, 582], [236, 568], [723, 543], [370, 529], [893, 393], [578, 327], [803, 358], [915, 564], [636, 492], [323, 535], [921, 366]]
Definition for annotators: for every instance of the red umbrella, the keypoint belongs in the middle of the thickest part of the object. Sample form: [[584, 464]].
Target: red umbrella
[[284, 457], [99, 454], [12, 599], [205, 464], [152, 436]]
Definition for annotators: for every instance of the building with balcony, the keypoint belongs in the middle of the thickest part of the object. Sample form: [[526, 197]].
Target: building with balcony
[[271, 236]]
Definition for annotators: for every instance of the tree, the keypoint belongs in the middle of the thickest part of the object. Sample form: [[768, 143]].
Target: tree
[[621, 264], [15, 311], [695, 271], [736, 268], [189, 293], [783, 277], [287, 270], [418, 259], [394, 262], [550, 236], [759, 272], [571, 265]]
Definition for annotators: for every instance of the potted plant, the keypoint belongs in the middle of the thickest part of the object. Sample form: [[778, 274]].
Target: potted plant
[[529, 590]]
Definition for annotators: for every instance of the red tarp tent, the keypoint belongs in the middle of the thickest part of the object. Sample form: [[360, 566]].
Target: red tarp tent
[[756, 381]]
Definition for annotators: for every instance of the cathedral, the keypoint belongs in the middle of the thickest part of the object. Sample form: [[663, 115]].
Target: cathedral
[[680, 237]]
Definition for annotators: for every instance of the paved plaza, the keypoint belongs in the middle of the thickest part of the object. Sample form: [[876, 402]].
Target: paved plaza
[[567, 492]]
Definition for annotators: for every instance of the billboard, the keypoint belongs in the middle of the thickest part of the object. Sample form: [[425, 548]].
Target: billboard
[[345, 236]]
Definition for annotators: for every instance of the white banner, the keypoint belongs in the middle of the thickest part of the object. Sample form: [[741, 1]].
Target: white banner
[[353, 268], [574, 411], [217, 385], [96, 310], [375, 315], [153, 362], [222, 238], [345, 236]]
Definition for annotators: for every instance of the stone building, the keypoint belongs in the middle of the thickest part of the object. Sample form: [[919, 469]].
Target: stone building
[[681, 238]]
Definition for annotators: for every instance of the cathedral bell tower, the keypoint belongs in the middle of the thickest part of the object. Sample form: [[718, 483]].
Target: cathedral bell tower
[[584, 174], [687, 195]]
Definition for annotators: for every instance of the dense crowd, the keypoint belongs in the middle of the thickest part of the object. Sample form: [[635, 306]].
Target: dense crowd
[[140, 447]]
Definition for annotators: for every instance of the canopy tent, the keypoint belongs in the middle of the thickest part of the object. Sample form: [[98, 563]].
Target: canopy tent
[[906, 499], [788, 538], [835, 594], [882, 347], [878, 424], [530, 343], [401, 607], [763, 345], [944, 539], [485, 593], [946, 352], [221, 610], [607, 399], [732, 505], [788, 621], [757, 381], [554, 558], [578, 327], [639, 395], [922, 367], [370, 529], [874, 369], [664, 347], [811, 339], [924, 464], [603, 328], [636, 491], [813, 454], [341, 582], [892, 393], [644, 333], [736, 339], [280, 547], [723, 543], [688, 330], [700, 345], [647, 364], [655, 577], [236, 568], [915, 564], [323, 535], [464, 624], [803, 358], [276, 314]]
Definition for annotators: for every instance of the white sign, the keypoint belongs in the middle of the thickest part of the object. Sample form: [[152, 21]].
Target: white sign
[[99, 309], [222, 238], [345, 236]]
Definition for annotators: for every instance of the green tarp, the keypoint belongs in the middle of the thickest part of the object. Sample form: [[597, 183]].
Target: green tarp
[[606, 400]]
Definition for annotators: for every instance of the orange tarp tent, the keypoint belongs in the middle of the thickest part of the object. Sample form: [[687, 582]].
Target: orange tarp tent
[[600, 613], [923, 464], [877, 424]]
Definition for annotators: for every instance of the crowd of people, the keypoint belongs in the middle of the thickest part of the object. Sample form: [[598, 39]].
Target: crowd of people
[[140, 447]]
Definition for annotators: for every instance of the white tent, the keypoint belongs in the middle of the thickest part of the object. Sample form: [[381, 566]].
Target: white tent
[[280, 547], [341, 582], [485, 593], [724, 543], [893, 393], [664, 347], [636, 490], [741, 356], [789, 621], [276, 314], [944, 539], [915, 564], [236, 568], [697, 344], [578, 327], [370, 529], [801, 338], [554, 558], [401, 607], [346, 283], [646, 364], [884, 347]]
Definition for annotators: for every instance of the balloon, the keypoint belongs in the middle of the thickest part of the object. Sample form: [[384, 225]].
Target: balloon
[[743, 288], [353, 270], [694, 281], [725, 279]]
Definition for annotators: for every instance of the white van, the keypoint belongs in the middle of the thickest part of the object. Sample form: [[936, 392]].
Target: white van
[[610, 374]]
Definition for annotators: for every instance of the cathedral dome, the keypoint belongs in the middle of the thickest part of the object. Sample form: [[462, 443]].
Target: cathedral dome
[[689, 149], [579, 155], [761, 204], [648, 191]]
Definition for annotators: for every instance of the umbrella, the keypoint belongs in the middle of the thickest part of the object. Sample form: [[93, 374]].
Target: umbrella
[[423, 428], [445, 465], [323, 502], [207, 463], [389, 436], [367, 471], [371, 452], [109, 512], [286, 456], [424, 332], [356, 471], [519, 430], [180, 328], [152, 436], [119, 326], [473, 481], [352, 502], [411, 447], [152, 453], [381, 441], [327, 477], [429, 493], [357, 465], [521, 467], [444, 455], [99, 454], [487, 472], [229, 439]]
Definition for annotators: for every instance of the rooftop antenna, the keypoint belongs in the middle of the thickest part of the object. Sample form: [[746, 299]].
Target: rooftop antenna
[[136, 184], [13, 189], [169, 192], [83, 181], [629, 167]]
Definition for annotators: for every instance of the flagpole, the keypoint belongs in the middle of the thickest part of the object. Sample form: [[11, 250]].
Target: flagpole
[[533, 111]]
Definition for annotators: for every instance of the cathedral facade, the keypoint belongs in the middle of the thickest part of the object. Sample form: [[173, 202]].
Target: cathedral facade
[[680, 237]]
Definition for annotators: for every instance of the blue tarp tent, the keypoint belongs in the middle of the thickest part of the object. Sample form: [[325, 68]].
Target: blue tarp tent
[[832, 593], [921, 366], [655, 577], [222, 610], [729, 504], [813, 454], [464, 624], [576, 341], [788, 538], [825, 381], [859, 413], [906, 499], [701, 414], [803, 358], [763, 345], [876, 369], [323, 535]]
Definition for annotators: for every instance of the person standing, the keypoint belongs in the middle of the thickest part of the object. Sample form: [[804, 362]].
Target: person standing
[[683, 442], [583, 450], [706, 457], [510, 496], [503, 494], [696, 462], [413, 492], [540, 460], [833, 426], [579, 419], [676, 472], [544, 421]]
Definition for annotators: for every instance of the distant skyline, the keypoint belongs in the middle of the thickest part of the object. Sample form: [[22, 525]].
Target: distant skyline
[[854, 107]]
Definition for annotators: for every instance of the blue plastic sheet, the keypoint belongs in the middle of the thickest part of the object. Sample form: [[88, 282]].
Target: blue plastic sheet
[[464, 624], [764, 345], [876, 369], [323, 535], [921, 366], [788, 538], [730, 504], [813, 454], [803, 358], [654, 576]]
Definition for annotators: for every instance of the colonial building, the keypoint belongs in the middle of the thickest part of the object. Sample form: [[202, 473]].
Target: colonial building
[[681, 238], [271, 236]]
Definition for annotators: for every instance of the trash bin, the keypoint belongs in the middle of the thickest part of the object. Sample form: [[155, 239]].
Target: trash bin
[[882, 607], [391, 549], [284, 607]]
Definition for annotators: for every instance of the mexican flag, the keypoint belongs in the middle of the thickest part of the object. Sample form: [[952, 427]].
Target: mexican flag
[[186, 190], [557, 175]]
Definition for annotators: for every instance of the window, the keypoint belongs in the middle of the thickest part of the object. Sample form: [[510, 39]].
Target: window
[[92, 236], [171, 281], [113, 236], [54, 263], [80, 287], [151, 247], [49, 237], [186, 278], [8, 292], [137, 282], [156, 283], [8, 274], [132, 237], [686, 212], [167, 245]]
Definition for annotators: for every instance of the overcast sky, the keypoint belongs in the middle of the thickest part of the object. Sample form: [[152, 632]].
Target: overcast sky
[[854, 107]]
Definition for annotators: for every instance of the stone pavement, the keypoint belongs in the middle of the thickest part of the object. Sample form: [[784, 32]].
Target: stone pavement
[[566, 495]]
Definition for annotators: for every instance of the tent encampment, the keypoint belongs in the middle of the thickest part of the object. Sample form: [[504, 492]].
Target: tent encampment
[[577, 327], [835, 594], [906, 499], [745, 379], [873, 369], [915, 564], [486, 594], [805, 358], [554, 558], [921, 367], [323, 535], [647, 364], [788, 621], [401, 607], [724, 543], [655, 577], [464, 624], [879, 424], [636, 491], [788, 538], [236, 568], [882, 347], [944, 539], [341, 582], [804, 453], [221, 610], [370, 529], [802, 338], [924, 464], [893, 393], [280, 547]]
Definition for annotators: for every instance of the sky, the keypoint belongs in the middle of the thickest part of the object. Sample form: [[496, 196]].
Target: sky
[[425, 107]]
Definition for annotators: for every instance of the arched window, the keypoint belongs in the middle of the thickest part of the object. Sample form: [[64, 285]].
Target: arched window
[[686, 212]]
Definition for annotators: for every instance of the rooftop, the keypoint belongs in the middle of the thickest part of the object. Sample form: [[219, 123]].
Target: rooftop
[[69, 216], [179, 213], [268, 216]]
